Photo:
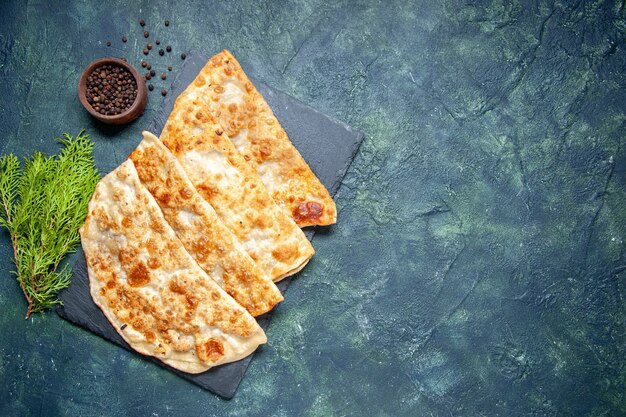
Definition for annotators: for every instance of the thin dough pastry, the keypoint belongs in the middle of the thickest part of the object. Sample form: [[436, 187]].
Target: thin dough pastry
[[233, 188], [198, 227], [249, 122], [150, 288]]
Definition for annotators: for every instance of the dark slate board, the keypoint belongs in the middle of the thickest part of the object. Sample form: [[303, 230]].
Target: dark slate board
[[326, 144]]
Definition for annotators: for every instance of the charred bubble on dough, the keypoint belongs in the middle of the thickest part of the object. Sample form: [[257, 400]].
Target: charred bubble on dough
[[200, 230], [233, 188], [249, 122], [150, 288]]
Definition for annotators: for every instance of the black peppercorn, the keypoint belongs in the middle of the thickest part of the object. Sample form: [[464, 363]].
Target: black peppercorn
[[183, 55], [108, 43], [111, 89], [149, 67], [142, 22], [158, 42], [167, 23], [145, 51], [169, 68], [168, 48], [161, 52], [124, 39], [164, 92], [152, 73], [149, 46], [146, 34], [163, 76], [150, 87], [144, 64]]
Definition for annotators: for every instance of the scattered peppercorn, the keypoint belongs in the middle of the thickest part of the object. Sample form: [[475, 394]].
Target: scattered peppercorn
[[148, 76], [144, 64], [152, 73], [163, 76], [183, 55], [161, 52], [142, 22], [168, 48], [146, 34], [167, 23], [169, 68], [158, 42], [124, 39], [108, 43], [149, 67], [150, 87], [164, 92], [145, 51], [111, 89]]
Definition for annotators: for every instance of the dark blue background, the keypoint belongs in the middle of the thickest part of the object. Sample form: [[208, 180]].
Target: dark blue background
[[478, 265]]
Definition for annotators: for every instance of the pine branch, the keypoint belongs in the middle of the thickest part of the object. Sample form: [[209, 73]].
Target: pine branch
[[42, 207], [9, 181]]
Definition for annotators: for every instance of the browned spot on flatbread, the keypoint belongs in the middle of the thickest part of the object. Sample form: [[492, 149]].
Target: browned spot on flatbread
[[153, 263], [157, 226], [265, 151], [207, 191], [185, 193], [126, 257], [163, 198], [192, 302], [210, 351], [199, 81], [285, 253], [202, 247], [139, 275], [307, 211], [176, 288]]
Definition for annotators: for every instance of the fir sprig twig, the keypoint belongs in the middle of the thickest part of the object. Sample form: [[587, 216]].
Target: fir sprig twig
[[42, 206]]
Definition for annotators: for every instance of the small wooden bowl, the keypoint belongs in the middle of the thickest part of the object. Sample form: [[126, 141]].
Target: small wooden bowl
[[133, 112]]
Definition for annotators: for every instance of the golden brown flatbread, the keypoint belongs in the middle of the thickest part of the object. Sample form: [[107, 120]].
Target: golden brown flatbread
[[233, 188], [250, 124], [200, 230], [150, 288]]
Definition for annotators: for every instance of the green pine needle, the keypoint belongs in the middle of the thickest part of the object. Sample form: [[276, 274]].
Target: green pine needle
[[42, 206]]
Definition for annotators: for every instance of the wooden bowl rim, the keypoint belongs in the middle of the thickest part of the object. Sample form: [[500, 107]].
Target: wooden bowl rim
[[137, 106]]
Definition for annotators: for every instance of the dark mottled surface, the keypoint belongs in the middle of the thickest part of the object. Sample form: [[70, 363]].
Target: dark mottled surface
[[478, 267]]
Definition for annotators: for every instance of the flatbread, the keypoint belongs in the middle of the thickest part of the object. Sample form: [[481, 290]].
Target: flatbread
[[202, 233], [233, 188], [151, 290], [250, 124]]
